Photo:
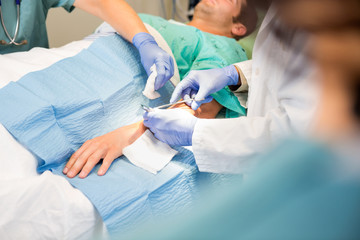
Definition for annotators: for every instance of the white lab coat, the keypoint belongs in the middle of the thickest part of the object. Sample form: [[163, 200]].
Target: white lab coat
[[282, 101]]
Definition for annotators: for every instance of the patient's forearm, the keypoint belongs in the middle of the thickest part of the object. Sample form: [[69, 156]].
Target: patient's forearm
[[206, 110], [117, 13], [110, 146], [130, 133], [134, 131]]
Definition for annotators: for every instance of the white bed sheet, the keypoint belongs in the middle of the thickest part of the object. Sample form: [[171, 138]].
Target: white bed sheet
[[37, 206]]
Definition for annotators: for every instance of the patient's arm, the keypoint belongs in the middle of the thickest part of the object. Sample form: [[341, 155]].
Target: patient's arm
[[109, 146]]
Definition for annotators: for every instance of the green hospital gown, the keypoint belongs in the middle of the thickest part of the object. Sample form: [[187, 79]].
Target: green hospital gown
[[195, 50]]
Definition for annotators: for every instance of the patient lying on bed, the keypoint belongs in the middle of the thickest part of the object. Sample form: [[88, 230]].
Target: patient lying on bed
[[193, 49], [52, 112]]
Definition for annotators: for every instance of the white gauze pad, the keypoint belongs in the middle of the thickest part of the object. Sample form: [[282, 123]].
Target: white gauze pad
[[149, 90], [149, 153]]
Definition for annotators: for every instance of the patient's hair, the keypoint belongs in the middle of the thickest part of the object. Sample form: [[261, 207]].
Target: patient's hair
[[248, 17]]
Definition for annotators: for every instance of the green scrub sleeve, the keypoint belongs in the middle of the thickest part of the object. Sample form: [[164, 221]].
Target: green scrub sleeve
[[66, 4]]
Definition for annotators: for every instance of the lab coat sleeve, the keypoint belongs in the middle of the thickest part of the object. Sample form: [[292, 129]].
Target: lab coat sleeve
[[228, 145]]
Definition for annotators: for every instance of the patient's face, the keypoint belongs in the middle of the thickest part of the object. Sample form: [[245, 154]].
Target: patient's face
[[219, 13]]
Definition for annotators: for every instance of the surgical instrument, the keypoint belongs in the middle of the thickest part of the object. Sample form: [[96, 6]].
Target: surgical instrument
[[148, 109]]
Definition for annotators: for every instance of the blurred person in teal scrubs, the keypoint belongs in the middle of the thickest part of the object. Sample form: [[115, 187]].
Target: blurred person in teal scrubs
[[23, 26], [303, 188]]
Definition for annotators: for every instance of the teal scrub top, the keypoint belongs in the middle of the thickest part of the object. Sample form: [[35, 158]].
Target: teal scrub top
[[296, 192], [32, 26]]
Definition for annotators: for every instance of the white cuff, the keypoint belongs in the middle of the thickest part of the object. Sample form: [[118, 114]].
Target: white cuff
[[244, 69]]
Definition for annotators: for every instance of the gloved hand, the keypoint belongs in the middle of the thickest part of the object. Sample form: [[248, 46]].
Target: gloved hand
[[172, 126], [150, 54], [201, 83]]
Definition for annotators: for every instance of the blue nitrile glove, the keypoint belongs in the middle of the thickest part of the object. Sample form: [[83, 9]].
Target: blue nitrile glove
[[201, 83], [151, 54], [172, 126]]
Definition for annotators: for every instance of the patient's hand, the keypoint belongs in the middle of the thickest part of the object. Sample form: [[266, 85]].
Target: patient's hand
[[107, 147]]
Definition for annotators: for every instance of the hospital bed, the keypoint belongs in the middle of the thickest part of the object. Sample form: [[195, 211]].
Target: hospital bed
[[45, 205], [39, 205]]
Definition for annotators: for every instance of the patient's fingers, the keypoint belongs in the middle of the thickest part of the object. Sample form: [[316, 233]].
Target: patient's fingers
[[81, 160], [106, 163], [75, 156], [91, 162]]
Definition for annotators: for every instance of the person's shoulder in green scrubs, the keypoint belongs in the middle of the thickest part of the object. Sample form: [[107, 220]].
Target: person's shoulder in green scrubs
[[32, 28]]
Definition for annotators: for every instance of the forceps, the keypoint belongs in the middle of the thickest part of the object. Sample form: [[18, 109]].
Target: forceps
[[149, 109]]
